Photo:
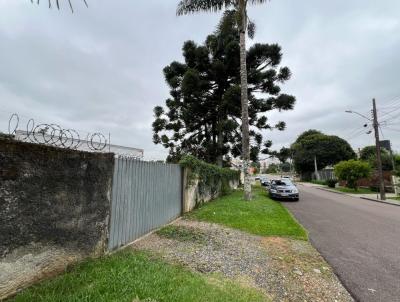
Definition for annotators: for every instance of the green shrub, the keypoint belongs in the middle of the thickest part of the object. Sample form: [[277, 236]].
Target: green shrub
[[351, 171], [374, 188], [211, 177], [331, 183]]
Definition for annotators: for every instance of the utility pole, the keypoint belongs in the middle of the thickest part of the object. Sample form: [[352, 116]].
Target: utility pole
[[316, 168], [378, 151]]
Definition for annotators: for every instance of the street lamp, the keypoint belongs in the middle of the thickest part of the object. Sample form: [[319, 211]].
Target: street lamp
[[362, 115]]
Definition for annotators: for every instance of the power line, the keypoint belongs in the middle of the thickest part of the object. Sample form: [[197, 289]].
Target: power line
[[392, 102], [393, 123], [392, 129], [353, 131], [390, 112], [357, 134], [391, 118], [388, 107]]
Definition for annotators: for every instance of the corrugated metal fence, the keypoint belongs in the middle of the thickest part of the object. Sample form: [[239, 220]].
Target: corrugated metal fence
[[145, 195], [324, 174]]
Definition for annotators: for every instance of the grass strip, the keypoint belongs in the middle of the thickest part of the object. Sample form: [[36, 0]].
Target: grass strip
[[135, 276], [261, 216]]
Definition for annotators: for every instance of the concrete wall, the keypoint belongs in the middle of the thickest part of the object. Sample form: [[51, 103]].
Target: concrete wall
[[194, 195], [54, 209], [396, 184]]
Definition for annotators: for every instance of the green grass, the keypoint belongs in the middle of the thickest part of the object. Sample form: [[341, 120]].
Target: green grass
[[261, 216], [395, 198], [352, 191], [181, 233], [319, 182], [135, 276]]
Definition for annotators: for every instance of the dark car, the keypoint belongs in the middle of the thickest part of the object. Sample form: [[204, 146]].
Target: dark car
[[283, 189]]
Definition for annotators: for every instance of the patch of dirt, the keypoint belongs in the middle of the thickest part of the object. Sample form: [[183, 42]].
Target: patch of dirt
[[303, 272], [283, 269]]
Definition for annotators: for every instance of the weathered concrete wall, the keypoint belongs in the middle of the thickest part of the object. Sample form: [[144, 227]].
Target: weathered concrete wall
[[51, 197], [396, 184], [194, 196]]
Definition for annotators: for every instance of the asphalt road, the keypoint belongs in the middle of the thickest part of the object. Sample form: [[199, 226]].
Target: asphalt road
[[359, 238]]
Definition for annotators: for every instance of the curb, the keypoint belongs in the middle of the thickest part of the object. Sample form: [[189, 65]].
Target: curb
[[333, 191], [361, 197], [382, 201]]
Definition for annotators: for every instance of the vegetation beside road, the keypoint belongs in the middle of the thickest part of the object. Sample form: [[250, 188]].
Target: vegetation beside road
[[318, 182], [261, 216], [354, 191], [136, 276], [352, 171], [345, 189]]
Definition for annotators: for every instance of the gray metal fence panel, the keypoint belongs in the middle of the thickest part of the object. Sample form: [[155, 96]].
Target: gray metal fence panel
[[145, 195], [324, 175]]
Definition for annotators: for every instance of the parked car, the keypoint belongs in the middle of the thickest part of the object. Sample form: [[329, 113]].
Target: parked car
[[265, 182], [283, 189]]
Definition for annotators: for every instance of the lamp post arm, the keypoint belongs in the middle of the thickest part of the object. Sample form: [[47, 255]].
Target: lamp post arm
[[362, 115]]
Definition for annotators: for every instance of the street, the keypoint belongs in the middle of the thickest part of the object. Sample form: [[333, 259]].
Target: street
[[359, 238]]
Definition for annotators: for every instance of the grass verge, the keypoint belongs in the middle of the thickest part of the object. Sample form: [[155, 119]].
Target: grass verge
[[135, 276], [352, 191], [318, 182], [261, 216]]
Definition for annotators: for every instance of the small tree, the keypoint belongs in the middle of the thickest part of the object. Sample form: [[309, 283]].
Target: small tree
[[285, 167], [328, 149], [282, 155], [351, 171], [368, 154], [397, 164], [272, 169]]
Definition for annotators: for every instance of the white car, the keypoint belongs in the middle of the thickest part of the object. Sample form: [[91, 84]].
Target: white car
[[283, 189], [265, 181]]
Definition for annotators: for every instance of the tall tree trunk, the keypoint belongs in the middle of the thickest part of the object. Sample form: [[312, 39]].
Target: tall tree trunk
[[220, 143], [244, 101]]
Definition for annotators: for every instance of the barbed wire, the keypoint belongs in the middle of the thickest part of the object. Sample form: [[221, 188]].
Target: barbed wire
[[54, 135]]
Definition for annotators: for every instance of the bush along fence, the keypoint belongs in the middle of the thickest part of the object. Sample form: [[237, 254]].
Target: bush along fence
[[204, 182], [58, 206]]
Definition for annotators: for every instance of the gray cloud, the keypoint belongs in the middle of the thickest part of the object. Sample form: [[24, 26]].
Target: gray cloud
[[101, 68]]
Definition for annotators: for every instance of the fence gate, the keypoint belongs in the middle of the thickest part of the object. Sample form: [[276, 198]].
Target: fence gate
[[145, 195]]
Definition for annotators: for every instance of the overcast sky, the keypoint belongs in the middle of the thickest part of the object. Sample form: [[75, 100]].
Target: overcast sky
[[100, 69]]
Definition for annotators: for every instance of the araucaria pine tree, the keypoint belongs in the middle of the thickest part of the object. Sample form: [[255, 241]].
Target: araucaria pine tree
[[204, 115]]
